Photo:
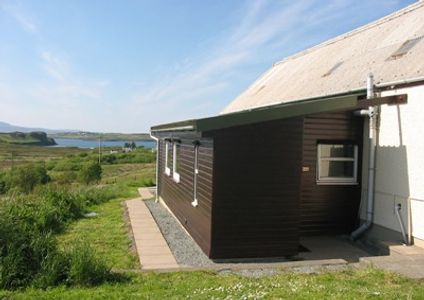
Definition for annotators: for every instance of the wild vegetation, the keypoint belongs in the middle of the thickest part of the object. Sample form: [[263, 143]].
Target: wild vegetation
[[41, 199], [31, 138]]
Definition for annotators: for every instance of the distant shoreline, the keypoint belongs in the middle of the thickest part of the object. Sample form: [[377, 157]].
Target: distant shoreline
[[111, 137]]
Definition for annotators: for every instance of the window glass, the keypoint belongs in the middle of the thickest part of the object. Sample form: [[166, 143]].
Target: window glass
[[176, 161], [169, 155], [177, 150], [344, 169]]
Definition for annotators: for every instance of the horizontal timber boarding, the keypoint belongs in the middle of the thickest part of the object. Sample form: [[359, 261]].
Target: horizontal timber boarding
[[256, 189], [327, 209], [178, 196]]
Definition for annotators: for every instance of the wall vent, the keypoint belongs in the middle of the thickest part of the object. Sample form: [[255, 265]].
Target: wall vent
[[405, 48], [335, 67]]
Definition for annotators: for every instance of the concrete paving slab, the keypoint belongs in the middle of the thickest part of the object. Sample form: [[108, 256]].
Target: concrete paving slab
[[153, 251], [145, 193]]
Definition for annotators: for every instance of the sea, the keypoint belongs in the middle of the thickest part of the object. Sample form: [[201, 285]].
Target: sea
[[95, 143]]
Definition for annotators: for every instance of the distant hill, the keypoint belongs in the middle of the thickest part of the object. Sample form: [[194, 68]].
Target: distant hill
[[6, 127], [77, 134], [89, 136], [27, 138]]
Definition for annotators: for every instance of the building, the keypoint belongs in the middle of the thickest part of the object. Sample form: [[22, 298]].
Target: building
[[293, 155]]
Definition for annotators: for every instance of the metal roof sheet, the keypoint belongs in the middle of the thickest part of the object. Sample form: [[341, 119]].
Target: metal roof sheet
[[341, 65]]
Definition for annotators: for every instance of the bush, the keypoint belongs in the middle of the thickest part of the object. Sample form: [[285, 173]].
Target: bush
[[25, 178], [28, 251], [90, 173], [85, 268]]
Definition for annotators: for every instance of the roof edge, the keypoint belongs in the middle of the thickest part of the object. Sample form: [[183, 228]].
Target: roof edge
[[263, 114]]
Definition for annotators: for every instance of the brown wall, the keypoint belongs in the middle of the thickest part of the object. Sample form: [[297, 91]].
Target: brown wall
[[256, 189], [178, 196], [329, 208]]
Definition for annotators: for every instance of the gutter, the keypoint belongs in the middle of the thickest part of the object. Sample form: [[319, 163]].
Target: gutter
[[157, 166], [372, 113]]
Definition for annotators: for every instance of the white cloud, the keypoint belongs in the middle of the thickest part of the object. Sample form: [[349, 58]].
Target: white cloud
[[181, 93], [16, 11]]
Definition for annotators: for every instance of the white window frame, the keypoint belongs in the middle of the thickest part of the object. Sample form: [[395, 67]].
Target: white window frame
[[338, 180], [167, 170], [195, 203], [175, 174]]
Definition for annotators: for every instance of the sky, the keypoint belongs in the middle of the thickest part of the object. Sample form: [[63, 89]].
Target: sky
[[126, 65]]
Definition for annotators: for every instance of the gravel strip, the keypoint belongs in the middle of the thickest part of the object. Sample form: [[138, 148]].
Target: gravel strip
[[185, 250], [188, 253]]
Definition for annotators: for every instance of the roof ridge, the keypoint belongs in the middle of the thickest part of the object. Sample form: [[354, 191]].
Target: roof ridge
[[355, 31]]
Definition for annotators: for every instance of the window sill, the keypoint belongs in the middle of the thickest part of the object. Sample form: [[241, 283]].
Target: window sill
[[176, 177]]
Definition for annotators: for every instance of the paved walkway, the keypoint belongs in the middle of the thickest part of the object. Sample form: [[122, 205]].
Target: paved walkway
[[152, 249], [407, 261]]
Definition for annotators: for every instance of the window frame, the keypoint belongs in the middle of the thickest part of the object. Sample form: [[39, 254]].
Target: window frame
[[167, 169], [338, 180], [175, 174]]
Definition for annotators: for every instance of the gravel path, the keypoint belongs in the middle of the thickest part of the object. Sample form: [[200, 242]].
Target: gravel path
[[185, 250]]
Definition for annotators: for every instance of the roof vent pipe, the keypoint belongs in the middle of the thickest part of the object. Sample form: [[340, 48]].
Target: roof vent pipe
[[372, 114]]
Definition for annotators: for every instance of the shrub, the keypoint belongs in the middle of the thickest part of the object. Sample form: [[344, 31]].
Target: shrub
[[90, 173], [28, 251], [85, 267], [25, 178]]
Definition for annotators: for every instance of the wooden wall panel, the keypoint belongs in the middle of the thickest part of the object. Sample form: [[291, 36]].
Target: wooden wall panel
[[328, 209], [178, 196], [256, 189]]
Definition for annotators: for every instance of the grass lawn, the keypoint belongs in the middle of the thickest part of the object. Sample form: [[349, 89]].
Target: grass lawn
[[107, 233], [354, 284]]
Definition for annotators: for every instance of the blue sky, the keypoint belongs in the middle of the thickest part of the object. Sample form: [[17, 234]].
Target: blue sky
[[123, 66]]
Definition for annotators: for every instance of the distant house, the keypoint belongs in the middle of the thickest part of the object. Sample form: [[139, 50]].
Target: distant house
[[293, 155]]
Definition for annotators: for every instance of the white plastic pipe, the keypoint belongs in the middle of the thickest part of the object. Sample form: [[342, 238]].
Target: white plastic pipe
[[371, 161], [157, 166]]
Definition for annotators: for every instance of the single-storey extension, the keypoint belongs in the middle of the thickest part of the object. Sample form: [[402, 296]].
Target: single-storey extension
[[315, 146]]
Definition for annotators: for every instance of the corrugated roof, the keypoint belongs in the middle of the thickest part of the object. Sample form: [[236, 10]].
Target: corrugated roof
[[391, 48]]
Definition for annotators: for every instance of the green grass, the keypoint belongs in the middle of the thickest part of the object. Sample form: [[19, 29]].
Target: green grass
[[107, 234], [353, 284]]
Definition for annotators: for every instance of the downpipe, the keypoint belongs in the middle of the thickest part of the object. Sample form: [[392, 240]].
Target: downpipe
[[157, 167], [372, 114], [402, 228]]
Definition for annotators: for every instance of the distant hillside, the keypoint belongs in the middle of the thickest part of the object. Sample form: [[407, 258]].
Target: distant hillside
[[89, 136], [32, 138], [6, 127]]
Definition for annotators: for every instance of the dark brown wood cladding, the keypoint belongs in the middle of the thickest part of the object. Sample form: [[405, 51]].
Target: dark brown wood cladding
[[257, 189], [327, 209], [178, 196]]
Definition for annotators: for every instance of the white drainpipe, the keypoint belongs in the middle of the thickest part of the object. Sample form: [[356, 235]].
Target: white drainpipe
[[371, 112], [157, 165]]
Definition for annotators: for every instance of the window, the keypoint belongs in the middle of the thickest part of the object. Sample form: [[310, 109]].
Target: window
[[337, 164], [168, 157], [196, 173], [176, 161]]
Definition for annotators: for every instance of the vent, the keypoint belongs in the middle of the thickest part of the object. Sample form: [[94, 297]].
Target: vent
[[334, 68], [405, 48]]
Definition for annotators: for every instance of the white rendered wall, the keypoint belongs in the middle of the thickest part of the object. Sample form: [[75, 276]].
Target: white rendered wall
[[400, 163]]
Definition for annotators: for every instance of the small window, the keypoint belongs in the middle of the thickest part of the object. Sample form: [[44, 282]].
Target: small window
[[337, 164], [168, 157], [196, 173], [176, 162]]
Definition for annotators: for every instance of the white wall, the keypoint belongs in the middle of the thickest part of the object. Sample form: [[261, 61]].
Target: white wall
[[400, 162]]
